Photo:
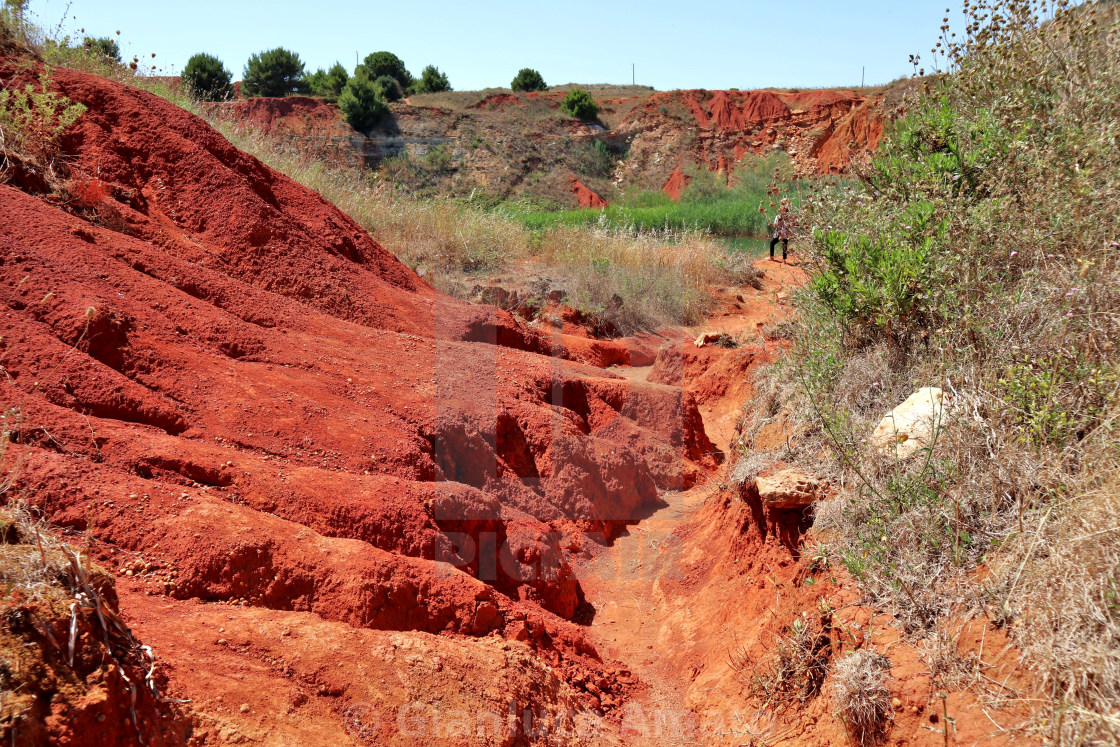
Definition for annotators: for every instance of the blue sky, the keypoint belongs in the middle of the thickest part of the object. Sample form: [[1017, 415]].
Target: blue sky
[[745, 44]]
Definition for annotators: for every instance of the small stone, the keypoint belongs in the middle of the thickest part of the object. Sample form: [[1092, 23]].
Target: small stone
[[706, 338], [245, 708], [896, 703]]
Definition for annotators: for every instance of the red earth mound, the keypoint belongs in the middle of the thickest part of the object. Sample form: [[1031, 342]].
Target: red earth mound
[[676, 183], [860, 132], [292, 115], [498, 101], [587, 198], [221, 375]]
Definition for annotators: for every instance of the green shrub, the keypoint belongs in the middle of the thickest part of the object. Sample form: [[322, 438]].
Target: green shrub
[[378, 64], [207, 78], [528, 79], [31, 122], [881, 283], [432, 81], [579, 104], [328, 83], [389, 87], [276, 72], [594, 159], [362, 102], [104, 47]]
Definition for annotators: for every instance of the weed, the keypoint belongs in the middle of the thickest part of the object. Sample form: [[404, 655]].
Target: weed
[[32, 119], [861, 696], [795, 671]]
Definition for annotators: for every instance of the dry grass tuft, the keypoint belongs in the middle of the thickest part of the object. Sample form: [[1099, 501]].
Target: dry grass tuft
[[1060, 583], [858, 684], [796, 665]]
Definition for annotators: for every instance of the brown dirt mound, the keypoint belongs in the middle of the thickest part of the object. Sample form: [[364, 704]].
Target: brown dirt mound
[[224, 376], [587, 198]]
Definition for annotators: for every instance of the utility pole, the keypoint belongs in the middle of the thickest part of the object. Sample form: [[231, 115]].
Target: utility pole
[[863, 76], [633, 75]]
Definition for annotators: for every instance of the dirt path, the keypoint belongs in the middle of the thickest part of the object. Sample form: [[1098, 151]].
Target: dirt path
[[620, 579]]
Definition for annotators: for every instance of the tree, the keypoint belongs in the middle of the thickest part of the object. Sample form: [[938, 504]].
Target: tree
[[207, 78], [103, 47], [528, 80], [579, 104], [328, 83], [387, 63], [432, 81], [389, 87], [361, 102], [277, 72]]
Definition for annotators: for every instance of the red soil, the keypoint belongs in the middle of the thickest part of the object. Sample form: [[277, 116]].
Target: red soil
[[822, 131], [586, 198], [861, 132], [498, 101], [292, 115], [226, 377], [352, 496], [678, 180], [817, 100], [733, 111]]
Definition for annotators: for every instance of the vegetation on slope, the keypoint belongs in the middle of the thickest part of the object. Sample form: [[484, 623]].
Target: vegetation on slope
[[708, 204], [981, 254]]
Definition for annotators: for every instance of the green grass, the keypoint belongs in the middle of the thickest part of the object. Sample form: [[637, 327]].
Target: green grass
[[654, 211], [708, 205]]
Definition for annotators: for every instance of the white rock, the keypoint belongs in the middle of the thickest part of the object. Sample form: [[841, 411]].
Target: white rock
[[788, 489], [909, 428], [706, 338]]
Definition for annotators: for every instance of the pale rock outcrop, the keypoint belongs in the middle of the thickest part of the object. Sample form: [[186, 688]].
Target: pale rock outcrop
[[706, 338], [909, 428], [789, 489]]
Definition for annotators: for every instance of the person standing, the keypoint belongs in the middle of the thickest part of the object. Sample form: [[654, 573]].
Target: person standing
[[783, 227]]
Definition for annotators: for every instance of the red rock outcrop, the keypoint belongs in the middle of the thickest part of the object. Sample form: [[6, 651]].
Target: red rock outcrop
[[587, 198], [676, 183]]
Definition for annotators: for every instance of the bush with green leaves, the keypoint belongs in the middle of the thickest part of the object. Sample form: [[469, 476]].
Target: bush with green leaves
[[206, 78], [105, 46], [276, 72], [32, 120], [328, 83], [594, 159], [390, 88], [432, 81], [378, 64], [362, 102], [528, 79], [579, 104]]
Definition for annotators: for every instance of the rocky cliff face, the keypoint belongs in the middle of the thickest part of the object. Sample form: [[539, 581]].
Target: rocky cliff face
[[515, 144]]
